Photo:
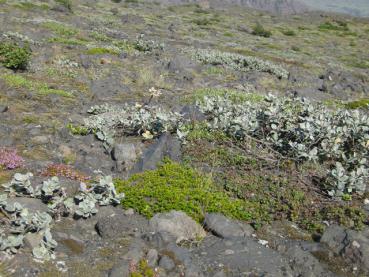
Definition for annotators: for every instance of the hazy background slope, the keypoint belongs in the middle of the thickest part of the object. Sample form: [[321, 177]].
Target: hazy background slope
[[352, 7]]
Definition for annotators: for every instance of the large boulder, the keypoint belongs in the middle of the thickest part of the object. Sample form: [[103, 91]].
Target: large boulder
[[178, 224], [166, 146], [224, 227]]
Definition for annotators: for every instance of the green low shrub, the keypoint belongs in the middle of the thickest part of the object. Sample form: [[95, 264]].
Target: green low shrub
[[260, 31], [65, 3], [13, 56], [177, 187]]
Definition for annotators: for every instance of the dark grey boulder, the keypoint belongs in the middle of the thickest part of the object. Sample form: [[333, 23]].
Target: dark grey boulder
[[224, 227], [166, 263], [119, 225], [166, 146], [3, 108], [125, 156], [351, 245]]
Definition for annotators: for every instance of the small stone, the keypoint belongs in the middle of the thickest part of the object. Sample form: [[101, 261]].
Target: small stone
[[166, 263], [40, 139], [152, 257], [229, 252], [32, 240], [65, 150], [129, 212], [3, 108], [355, 244]]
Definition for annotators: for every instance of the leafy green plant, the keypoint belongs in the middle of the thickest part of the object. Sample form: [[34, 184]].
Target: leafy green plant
[[333, 26], [18, 81], [358, 104], [102, 51], [259, 30], [177, 187], [77, 130], [66, 3], [13, 56], [290, 33]]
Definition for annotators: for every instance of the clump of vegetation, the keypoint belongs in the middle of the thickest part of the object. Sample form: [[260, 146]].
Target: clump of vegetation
[[63, 170], [290, 33], [65, 3], [77, 130], [148, 121], [238, 62], [333, 26], [359, 104], [234, 95], [13, 56], [9, 159], [301, 131], [141, 269], [18, 81], [144, 45], [177, 187], [60, 29], [259, 30], [102, 51], [21, 221], [247, 171]]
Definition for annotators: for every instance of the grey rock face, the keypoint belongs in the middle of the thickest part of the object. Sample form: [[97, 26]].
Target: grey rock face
[[180, 225], [121, 225], [242, 255], [351, 245], [224, 227], [3, 108], [166, 146], [108, 88], [125, 155], [152, 257], [166, 263]]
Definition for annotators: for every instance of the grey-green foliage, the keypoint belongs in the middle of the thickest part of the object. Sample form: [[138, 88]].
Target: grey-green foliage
[[104, 192], [20, 185], [238, 62], [106, 121], [301, 130], [21, 222], [84, 204], [144, 45]]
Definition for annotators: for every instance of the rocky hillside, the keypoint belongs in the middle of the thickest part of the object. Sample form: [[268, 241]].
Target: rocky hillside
[[144, 139], [273, 6]]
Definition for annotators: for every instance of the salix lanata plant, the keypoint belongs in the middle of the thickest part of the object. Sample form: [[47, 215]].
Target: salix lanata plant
[[237, 62], [302, 131], [107, 121], [21, 221]]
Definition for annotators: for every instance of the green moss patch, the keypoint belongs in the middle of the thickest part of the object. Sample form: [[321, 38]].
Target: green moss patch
[[17, 81], [177, 187], [101, 51], [359, 104]]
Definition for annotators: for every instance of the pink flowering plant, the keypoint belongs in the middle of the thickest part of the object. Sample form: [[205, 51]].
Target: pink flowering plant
[[9, 159]]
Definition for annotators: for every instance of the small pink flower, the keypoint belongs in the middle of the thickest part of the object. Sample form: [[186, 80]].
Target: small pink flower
[[9, 159]]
